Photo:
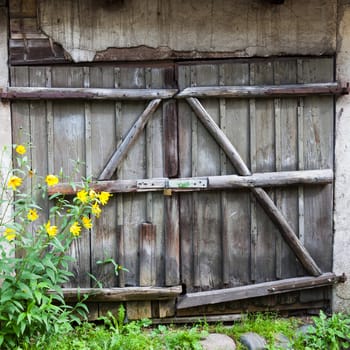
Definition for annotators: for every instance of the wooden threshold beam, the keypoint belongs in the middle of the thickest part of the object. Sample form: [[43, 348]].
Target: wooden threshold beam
[[121, 294], [226, 182], [257, 290]]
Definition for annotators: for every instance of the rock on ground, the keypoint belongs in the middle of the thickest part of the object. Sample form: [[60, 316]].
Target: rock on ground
[[216, 341], [253, 341]]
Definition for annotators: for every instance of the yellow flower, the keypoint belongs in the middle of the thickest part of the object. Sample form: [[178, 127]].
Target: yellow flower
[[92, 194], [83, 196], [14, 182], [51, 180], [104, 197], [10, 234], [51, 230], [86, 222], [32, 215], [75, 229], [96, 210], [20, 149]]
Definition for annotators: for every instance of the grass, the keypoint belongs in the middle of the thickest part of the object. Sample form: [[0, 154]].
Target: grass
[[324, 333], [267, 325]]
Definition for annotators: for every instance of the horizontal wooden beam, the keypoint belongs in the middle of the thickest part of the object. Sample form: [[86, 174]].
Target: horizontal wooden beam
[[226, 182], [44, 93], [38, 93], [121, 294], [257, 290], [263, 91]]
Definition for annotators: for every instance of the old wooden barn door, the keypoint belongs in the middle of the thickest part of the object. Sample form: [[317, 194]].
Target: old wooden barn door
[[176, 218]]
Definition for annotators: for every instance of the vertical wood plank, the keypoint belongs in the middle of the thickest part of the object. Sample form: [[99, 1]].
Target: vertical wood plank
[[224, 202], [69, 152], [172, 241], [265, 161], [318, 154], [119, 175], [235, 205], [147, 254], [38, 135], [155, 144], [102, 142], [133, 167], [185, 116], [253, 165], [171, 203], [206, 162], [286, 131]]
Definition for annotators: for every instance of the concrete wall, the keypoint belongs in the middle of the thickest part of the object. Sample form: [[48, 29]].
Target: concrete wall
[[341, 252], [244, 28], [5, 118]]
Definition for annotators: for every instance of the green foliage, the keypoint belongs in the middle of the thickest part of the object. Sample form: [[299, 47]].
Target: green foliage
[[116, 334], [326, 333], [34, 256], [266, 325]]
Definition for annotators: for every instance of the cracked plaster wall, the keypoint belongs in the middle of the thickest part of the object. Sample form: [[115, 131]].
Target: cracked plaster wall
[[245, 28], [341, 252], [5, 116]]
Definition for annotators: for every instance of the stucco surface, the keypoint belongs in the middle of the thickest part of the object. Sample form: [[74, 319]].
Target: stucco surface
[[5, 118], [244, 27], [341, 253]]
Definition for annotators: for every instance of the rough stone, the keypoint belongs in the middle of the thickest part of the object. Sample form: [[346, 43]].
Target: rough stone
[[217, 341], [253, 341], [282, 342]]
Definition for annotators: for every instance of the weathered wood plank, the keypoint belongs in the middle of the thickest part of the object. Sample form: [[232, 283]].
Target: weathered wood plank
[[287, 232], [235, 211], [264, 90], [69, 147], [268, 179], [70, 93], [134, 165], [318, 124], [219, 136], [122, 294], [170, 129], [147, 255], [264, 154], [129, 140], [261, 195], [286, 139], [256, 290], [207, 204], [38, 136], [155, 167], [101, 143]]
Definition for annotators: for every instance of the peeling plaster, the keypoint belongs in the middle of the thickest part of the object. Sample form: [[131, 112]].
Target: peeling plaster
[[244, 28]]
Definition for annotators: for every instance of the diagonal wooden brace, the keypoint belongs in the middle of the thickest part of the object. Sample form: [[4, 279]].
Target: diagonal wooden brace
[[263, 198], [129, 140]]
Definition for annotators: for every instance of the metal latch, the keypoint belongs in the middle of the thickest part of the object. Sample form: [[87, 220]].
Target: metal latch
[[188, 183], [162, 183]]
